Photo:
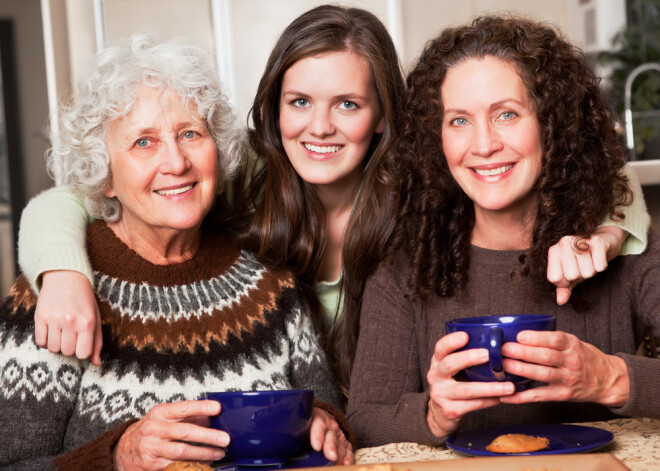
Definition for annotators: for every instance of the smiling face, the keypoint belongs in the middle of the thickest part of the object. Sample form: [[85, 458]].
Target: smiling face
[[491, 136], [163, 163], [329, 111]]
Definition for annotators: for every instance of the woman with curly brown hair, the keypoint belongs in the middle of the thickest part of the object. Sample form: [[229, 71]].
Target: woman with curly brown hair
[[510, 146]]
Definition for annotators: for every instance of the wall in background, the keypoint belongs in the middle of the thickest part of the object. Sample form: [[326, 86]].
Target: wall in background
[[253, 27]]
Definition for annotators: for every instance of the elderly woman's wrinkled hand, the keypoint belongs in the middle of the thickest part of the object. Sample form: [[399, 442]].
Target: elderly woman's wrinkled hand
[[450, 399], [166, 434], [325, 434], [575, 371], [67, 316], [574, 259]]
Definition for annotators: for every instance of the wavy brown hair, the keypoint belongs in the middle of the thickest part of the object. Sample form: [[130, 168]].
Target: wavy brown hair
[[580, 182], [288, 228]]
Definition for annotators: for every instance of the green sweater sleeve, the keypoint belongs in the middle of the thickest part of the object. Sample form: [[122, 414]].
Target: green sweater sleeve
[[52, 235], [637, 220]]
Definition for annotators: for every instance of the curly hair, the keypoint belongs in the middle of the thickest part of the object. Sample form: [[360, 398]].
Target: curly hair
[[581, 152], [289, 224], [79, 158]]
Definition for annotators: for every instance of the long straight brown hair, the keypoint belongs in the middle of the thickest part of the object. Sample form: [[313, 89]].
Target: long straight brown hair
[[288, 227]]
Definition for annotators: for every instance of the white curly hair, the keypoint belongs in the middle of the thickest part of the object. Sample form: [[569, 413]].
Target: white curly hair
[[79, 158]]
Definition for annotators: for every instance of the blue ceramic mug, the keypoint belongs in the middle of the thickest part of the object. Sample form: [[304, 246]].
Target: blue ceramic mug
[[490, 332], [265, 427]]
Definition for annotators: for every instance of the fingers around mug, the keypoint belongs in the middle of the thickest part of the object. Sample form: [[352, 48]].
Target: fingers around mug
[[349, 456], [527, 354], [175, 450], [188, 432], [330, 445], [344, 450], [318, 429], [181, 410], [471, 390], [453, 363], [538, 394], [450, 343]]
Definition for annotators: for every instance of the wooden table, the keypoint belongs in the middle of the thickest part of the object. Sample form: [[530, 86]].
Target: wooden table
[[636, 443]]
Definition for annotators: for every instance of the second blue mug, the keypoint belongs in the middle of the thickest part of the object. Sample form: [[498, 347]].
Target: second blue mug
[[490, 332]]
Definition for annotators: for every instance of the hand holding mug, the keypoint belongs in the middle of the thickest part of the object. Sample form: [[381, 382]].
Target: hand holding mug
[[491, 332], [575, 371], [450, 399], [166, 434]]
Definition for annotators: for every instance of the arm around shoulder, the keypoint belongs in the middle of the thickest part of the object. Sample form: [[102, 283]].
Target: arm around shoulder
[[52, 235]]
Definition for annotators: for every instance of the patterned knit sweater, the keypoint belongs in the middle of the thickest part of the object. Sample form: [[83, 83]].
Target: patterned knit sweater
[[220, 321]]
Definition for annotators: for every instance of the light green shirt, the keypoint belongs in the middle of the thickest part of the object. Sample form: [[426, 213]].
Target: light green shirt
[[329, 295]]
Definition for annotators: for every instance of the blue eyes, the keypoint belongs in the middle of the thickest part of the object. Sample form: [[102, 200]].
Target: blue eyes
[[344, 105], [348, 105], [507, 115], [145, 142]]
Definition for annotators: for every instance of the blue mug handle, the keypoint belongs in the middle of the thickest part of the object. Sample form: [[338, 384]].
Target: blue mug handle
[[495, 353]]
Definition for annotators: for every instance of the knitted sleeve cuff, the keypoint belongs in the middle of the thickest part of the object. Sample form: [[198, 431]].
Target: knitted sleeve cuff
[[637, 220], [339, 417], [97, 454]]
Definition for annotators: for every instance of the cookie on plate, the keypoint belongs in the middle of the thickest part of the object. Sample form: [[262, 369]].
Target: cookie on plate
[[187, 466], [517, 443]]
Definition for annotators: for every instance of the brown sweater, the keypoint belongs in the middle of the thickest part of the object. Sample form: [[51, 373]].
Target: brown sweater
[[389, 391]]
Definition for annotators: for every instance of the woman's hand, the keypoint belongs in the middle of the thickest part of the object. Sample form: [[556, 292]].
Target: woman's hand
[[165, 433], [574, 259], [450, 399], [67, 317], [574, 371], [325, 434]]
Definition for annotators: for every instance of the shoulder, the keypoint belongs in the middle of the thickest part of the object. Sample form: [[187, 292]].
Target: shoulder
[[651, 253], [282, 274], [637, 267], [392, 273]]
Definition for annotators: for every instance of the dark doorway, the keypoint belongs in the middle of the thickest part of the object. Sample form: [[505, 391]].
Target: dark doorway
[[12, 183]]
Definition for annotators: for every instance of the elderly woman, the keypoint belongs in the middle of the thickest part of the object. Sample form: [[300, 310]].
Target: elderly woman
[[183, 310], [511, 146]]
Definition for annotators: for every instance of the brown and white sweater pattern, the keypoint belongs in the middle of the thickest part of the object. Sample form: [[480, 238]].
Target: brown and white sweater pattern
[[221, 321]]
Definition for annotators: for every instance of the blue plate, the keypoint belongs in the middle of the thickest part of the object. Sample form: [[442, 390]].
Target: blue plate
[[563, 438], [305, 459]]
